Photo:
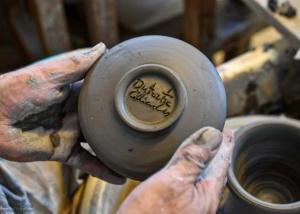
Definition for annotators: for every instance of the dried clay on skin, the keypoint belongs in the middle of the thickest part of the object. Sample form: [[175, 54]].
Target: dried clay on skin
[[33, 83]]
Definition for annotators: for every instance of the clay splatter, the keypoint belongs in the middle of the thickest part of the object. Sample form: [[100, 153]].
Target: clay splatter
[[33, 83]]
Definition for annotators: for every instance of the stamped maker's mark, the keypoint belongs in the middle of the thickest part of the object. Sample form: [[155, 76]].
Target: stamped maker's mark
[[149, 96]]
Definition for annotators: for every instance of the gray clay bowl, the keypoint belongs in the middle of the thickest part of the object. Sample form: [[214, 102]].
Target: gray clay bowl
[[143, 98], [264, 174]]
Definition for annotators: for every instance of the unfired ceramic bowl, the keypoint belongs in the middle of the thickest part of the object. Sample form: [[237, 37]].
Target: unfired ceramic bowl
[[143, 98], [265, 169]]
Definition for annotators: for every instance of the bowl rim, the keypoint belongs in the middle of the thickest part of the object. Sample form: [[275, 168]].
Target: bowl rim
[[234, 186]]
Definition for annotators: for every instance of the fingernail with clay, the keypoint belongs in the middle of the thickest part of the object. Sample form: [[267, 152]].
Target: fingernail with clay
[[96, 47], [211, 138], [93, 49]]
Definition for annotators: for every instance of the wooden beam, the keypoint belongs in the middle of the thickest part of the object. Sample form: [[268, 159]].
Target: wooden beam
[[24, 30], [199, 22], [192, 23], [51, 23], [102, 21]]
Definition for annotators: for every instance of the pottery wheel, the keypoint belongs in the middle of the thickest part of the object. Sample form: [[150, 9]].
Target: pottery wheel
[[143, 98]]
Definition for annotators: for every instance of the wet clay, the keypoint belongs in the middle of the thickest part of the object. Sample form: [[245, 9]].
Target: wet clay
[[143, 98]]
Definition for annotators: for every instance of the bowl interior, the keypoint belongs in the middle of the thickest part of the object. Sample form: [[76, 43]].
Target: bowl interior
[[267, 163]]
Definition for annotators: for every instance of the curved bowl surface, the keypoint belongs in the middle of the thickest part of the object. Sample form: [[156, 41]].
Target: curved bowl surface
[[196, 99], [269, 149]]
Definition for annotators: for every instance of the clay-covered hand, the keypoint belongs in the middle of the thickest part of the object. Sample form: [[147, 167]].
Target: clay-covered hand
[[191, 182], [38, 114]]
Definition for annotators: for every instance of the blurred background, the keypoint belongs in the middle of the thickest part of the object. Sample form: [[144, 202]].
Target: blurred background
[[34, 29], [255, 61]]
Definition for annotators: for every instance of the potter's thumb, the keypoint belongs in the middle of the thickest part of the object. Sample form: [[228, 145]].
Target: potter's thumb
[[62, 72], [217, 169], [195, 152]]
